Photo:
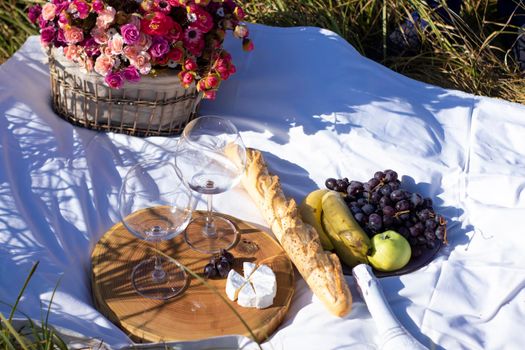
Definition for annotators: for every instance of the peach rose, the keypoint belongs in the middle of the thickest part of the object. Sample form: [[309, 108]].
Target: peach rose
[[49, 11], [142, 62], [72, 52], [116, 43], [99, 35], [106, 17], [73, 35], [103, 64]]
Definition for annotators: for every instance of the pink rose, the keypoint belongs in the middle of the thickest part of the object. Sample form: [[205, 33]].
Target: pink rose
[[103, 64], [156, 23], [49, 11], [190, 64], [142, 62], [239, 13], [186, 78], [97, 6], [114, 80], [116, 44], [130, 33], [63, 18], [106, 17], [210, 94], [131, 74], [212, 81], [34, 12], [176, 54], [159, 47], [82, 9], [73, 35], [72, 52], [47, 35], [203, 20]]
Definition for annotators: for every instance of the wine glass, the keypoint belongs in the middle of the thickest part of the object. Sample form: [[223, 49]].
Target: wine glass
[[154, 205], [211, 158]]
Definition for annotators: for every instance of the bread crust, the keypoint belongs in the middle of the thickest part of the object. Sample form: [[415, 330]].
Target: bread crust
[[320, 269]]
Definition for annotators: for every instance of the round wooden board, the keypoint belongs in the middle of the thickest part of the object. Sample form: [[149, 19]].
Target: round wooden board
[[198, 312]]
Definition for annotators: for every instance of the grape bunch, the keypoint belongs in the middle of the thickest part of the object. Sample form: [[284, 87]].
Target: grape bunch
[[381, 204], [219, 265]]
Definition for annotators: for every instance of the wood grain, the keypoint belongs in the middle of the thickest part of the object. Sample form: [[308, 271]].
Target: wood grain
[[198, 312]]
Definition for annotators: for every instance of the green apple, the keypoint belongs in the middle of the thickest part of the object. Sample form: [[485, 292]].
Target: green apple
[[390, 251]]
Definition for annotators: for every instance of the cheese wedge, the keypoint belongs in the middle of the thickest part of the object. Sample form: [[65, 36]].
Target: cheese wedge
[[234, 283], [265, 286], [257, 288], [247, 296]]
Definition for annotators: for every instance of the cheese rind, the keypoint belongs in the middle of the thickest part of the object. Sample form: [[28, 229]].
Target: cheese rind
[[265, 286]]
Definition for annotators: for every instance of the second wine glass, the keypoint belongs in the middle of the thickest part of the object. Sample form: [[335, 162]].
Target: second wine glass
[[211, 158]]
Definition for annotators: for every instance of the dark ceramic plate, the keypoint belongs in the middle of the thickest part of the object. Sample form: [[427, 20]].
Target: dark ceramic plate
[[414, 264]]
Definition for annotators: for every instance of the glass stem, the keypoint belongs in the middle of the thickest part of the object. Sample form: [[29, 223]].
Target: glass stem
[[209, 228], [158, 274]]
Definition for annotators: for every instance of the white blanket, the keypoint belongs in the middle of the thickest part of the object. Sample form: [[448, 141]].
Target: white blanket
[[317, 109]]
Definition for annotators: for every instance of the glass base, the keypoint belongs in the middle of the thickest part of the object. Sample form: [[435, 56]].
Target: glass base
[[163, 284], [223, 236]]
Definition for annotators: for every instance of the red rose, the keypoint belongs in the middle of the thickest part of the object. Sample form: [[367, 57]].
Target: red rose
[[157, 23]]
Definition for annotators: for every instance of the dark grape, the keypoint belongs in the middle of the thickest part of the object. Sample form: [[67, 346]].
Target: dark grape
[[431, 244], [427, 203], [424, 214], [394, 185], [228, 256], [421, 239], [223, 267], [388, 221], [416, 252], [419, 226], [330, 183], [361, 201], [386, 190], [430, 224], [359, 217], [368, 209], [379, 175], [397, 195], [404, 216], [355, 209], [372, 183], [403, 205], [341, 185], [354, 188], [384, 201], [388, 211], [210, 271], [430, 235], [390, 175], [403, 231], [375, 197], [366, 187], [414, 231], [375, 222]]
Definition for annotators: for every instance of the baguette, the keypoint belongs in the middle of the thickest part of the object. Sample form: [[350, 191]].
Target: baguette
[[321, 270]]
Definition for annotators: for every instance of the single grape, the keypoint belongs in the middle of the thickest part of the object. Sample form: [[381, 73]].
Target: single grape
[[388, 222], [430, 224], [355, 209], [394, 185], [419, 226], [430, 235], [359, 217], [372, 183], [368, 208], [366, 187], [375, 222], [421, 239], [390, 175], [386, 190], [423, 215], [388, 211], [403, 205], [361, 201], [210, 271], [397, 195], [228, 256], [403, 231], [379, 175], [414, 231], [404, 217], [384, 201], [330, 183], [223, 267], [375, 198]]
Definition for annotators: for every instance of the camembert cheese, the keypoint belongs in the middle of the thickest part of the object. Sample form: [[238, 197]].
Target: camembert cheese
[[257, 288]]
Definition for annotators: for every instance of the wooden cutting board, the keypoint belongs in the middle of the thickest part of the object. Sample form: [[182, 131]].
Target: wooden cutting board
[[198, 312]]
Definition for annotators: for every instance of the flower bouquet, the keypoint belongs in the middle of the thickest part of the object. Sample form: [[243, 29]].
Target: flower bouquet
[[137, 66]]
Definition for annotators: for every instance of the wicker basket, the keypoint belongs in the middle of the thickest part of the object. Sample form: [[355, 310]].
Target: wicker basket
[[156, 106]]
